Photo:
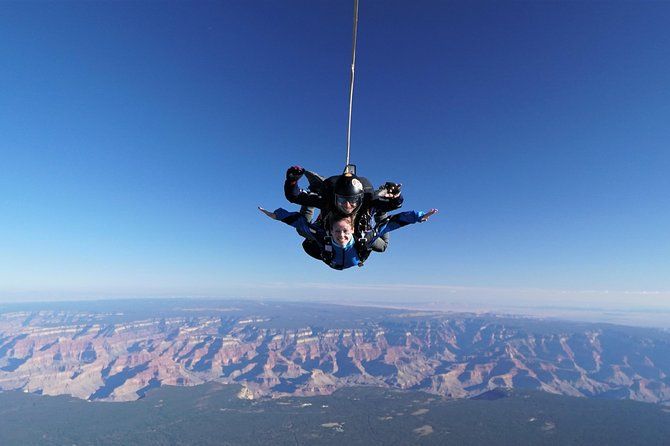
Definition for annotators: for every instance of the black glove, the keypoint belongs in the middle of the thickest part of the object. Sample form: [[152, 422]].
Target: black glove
[[294, 173], [392, 188]]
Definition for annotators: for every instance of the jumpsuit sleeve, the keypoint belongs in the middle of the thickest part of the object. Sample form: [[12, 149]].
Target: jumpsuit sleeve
[[397, 221], [296, 195], [387, 204], [298, 221]]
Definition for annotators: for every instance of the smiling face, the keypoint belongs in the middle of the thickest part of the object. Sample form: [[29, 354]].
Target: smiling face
[[347, 205], [342, 231]]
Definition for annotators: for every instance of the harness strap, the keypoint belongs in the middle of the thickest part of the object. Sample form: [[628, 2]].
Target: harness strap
[[327, 253]]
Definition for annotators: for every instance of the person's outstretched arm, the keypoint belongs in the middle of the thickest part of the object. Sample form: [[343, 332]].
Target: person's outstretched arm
[[295, 219], [401, 219], [272, 215], [428, 214]]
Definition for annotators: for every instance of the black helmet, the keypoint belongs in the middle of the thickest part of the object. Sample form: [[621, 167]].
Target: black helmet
[[349, 193]]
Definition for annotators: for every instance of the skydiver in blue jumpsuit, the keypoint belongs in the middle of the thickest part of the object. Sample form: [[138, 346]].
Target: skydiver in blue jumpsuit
[[339, 250]]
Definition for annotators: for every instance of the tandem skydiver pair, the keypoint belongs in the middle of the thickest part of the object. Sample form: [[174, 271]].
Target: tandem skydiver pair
[[353, 219]]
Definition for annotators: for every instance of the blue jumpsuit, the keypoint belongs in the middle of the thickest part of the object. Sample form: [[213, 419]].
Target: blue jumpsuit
[[345, 256]]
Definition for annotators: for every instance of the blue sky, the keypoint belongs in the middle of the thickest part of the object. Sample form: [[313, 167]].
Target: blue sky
[[137, 139]]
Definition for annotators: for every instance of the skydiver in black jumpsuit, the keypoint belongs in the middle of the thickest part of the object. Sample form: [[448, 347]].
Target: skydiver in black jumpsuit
[[344, 194]]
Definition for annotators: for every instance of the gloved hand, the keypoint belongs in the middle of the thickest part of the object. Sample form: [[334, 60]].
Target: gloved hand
[[294, 173], [393, 189]]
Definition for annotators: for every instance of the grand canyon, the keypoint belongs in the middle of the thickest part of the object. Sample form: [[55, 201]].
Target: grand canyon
[[118, 351]]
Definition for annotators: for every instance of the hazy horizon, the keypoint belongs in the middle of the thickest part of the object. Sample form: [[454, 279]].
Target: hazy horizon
[[642, 314]]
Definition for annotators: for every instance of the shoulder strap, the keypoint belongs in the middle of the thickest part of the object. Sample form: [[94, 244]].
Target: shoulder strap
[[328, 254], [362, 250]]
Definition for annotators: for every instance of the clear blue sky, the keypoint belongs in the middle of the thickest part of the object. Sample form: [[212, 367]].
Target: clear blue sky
[[137, 139]]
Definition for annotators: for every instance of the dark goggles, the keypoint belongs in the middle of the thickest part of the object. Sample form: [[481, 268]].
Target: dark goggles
[[354, 201]]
